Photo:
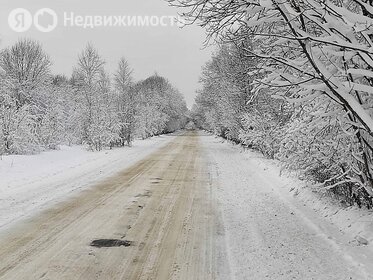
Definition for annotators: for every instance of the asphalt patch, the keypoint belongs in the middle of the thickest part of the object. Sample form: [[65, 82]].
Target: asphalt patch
[[100, 243]]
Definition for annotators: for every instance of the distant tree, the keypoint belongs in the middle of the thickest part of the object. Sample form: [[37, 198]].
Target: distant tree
[[59, 80], [127, 102], [86, 77], [90, 65], [162, 108], [123, 76]]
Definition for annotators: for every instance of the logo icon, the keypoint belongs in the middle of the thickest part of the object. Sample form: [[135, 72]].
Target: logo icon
[[45, 20], [20, 20]]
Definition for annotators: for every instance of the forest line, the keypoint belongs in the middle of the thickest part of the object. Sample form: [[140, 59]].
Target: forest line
[[40, 110]]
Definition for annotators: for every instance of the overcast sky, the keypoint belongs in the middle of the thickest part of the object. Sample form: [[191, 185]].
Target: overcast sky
[[174, 53]]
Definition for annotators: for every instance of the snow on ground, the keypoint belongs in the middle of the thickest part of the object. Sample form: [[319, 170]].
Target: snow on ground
[[272, 234], [32, 183], [357, 223]]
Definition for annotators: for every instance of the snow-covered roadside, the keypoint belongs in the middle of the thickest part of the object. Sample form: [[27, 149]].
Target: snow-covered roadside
[[355, 223], [29, 184], [271, 233], [351, 220]]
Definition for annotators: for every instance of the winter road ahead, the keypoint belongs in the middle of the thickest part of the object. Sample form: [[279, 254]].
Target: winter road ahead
[[187, 211]]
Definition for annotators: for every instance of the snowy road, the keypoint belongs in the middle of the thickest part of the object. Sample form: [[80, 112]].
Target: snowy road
[[194, 209]]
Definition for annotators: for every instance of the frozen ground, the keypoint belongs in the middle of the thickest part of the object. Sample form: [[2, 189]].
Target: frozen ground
[[32, 183], [271, 234]]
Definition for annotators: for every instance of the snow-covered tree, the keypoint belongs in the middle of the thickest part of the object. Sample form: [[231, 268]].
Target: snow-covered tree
[[308, 51], [25, 72], [161, 108], [18, 125], [39, 111], [92, 84], [28, 66], [127, 102]]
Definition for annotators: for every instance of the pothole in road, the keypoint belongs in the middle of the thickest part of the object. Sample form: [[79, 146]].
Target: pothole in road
[[146, 194], [100, 243], [156, 180]]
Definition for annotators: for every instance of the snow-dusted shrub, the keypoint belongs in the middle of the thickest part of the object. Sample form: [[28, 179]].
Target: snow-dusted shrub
[[322, 149], [17, 127], [260, 133], [51, 117]]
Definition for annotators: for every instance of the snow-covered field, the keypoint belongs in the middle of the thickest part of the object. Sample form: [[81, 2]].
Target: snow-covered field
[[32, 183], [272, 233]]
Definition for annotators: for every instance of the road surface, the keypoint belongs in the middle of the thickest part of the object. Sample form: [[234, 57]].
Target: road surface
[[183, 221]]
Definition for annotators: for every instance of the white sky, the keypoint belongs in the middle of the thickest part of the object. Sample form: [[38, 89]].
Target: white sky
[[174, 53]]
